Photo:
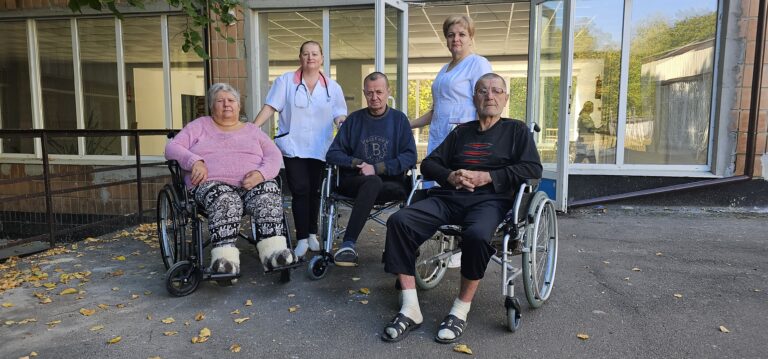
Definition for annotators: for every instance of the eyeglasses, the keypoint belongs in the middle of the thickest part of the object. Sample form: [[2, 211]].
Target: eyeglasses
[[496, 91]]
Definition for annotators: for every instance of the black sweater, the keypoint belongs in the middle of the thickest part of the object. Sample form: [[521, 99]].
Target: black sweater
[[506, 150]]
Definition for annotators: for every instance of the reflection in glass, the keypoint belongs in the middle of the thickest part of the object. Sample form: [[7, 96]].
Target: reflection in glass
[[187, 76], [596, 69], [393, 50], [15, 97], [98, 61], [145, 100], [548, 97], [58, 82], [353, 49], [670, 82]]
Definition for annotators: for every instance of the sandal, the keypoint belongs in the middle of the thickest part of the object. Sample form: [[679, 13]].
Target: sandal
[[345, 257], [402, 324], [455, 325]]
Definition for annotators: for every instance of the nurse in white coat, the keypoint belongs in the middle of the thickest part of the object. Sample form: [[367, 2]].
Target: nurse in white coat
[[454, 84], [310, 104]]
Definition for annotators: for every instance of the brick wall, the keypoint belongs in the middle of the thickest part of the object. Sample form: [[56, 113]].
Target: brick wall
[[228, 59], [740, 110]]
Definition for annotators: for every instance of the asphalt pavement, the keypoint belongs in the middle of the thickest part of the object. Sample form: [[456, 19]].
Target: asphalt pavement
[[633, 282]]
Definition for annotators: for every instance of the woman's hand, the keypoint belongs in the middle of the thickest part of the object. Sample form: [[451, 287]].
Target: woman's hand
[[199, 173], [252, 179]]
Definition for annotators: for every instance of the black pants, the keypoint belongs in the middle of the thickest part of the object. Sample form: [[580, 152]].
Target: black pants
[[479, 214], [305, 176], [367, 190]]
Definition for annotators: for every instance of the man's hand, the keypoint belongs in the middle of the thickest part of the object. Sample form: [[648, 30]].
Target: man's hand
[[252, 179], [199, 173], [469, 180], [366, 169]]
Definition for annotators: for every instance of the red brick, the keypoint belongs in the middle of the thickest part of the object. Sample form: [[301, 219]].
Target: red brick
[[754, 7], [743, 121], [760, 144], [233, 68], [741, 143], [749, 56], [241, 69], [746, 75], [751, 29], [761, 122], [746, 95], [231, 50], [739, 165], [763, 105]]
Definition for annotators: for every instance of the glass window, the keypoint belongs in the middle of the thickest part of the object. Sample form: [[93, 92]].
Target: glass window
[[57, 79], [98, 63], [596, 69], [145, 100], [187, 76], [670, 81], [353, 48], [15, 96]]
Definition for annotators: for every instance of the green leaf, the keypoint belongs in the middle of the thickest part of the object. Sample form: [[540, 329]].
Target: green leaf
[[201, 52]]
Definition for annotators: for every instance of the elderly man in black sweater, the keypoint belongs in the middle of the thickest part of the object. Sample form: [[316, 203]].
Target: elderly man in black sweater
[[478, 166], [373, 149]]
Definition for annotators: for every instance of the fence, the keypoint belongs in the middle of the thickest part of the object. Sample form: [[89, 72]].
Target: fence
[[42, 203]]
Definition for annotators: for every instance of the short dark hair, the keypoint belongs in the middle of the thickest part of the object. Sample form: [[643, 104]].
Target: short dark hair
[[373, 76]]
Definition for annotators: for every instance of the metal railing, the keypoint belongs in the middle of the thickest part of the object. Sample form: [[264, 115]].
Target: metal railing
[[80, 199]]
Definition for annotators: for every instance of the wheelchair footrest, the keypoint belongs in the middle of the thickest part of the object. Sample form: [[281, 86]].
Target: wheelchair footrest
[[451, 230], [207, 275], [294, 265]]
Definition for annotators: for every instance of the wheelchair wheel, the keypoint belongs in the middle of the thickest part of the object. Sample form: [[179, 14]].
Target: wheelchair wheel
[[170, 227], [540, 259], [429, 270], [514, 317], [317, 267], [182, 279]]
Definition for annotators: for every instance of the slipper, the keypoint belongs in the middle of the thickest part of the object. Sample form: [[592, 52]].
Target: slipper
[[345, 257], [455, 325], [402, 324]]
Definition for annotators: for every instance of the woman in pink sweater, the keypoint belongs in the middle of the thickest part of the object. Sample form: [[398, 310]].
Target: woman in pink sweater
[[230, 168]]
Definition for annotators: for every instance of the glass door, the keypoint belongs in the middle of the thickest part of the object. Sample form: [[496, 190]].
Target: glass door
[[392, 48], [550, 56]]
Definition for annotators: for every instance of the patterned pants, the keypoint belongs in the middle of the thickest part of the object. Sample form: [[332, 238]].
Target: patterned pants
[[224, 204]]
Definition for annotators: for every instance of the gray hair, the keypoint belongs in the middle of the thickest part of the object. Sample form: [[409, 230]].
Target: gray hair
[[373, 76], [220, 86], [491, 75]]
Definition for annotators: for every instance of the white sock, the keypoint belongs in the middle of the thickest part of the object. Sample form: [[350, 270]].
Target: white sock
[[460, 309], [314, 245], [301, 247], [410, 309]]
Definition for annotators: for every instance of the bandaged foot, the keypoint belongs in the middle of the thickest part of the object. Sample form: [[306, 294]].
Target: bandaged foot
[[314, 244], [225, 259], [274, 252], [301, 247]]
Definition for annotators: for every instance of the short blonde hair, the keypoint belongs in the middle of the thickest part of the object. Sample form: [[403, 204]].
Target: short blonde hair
[[459, 19]]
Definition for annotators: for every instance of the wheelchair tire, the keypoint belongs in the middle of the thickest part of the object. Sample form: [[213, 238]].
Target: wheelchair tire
[[170, 226], [317, 267], [429, 273], [540, 259], [514, 316], [182, 279]]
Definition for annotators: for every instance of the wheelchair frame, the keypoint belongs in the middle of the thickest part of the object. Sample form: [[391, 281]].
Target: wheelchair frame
[[534, 235], [182, 243], [317, 267]]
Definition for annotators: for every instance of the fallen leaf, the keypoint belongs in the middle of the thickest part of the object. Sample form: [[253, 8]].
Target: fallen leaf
[[115, 288], [462, 348], [235, 348], [202, 337], [186, 323], [46, 300], [147, 292], [291, 295], [7, 305], [606, 262], [241, 320], [724, 329], [49, 285], [134, 296], [28, 320], [248, 303], [53, 323], [659, 254], [168, 320], [33, 354], [114, 340], [199, 316], [236, 311], [87, 312], [365, 291], [363, 302], [170, 333], [120, 305], [292, 309], [355, 279], [155, 357], [582, 336], [351, 291], [626, 278], [677, 295], [149, 316], [9, 322], [117, 273], [103, 306], [96, 328], [119, 258], [635, 269]]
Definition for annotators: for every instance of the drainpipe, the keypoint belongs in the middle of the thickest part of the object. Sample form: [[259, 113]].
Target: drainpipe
[[754, 111]]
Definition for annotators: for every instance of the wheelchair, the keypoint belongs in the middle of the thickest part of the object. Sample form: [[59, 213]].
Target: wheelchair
[[182, 242], [529, 229], [330, 201]]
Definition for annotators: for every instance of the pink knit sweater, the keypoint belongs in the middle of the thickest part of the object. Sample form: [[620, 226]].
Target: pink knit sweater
[[229, 156]]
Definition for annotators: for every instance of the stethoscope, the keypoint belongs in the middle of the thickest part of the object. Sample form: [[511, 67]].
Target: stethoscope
[[301, 84], [295, 94]]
